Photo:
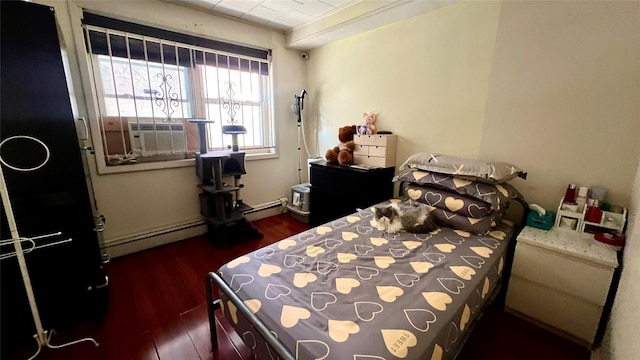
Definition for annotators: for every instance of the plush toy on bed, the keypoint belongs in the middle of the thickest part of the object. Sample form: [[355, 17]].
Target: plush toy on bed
[[343, 153], [368, 128]]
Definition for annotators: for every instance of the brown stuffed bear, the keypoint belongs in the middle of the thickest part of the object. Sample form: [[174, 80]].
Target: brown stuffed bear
[[343, 152]]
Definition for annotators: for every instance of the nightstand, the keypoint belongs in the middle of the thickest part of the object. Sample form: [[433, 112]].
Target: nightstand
[[561, 279], [339, 190]]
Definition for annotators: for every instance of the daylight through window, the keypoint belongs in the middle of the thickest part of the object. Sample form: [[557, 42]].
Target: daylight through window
[[147, 88]]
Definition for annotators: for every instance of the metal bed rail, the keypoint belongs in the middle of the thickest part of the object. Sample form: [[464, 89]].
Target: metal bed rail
[[263, 331]]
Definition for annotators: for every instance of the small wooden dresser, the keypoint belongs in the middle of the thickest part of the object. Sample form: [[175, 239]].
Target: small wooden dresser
[[375, 150]]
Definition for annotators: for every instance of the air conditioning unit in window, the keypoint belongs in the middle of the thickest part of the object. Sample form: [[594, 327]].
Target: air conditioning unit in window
[[156, 139]]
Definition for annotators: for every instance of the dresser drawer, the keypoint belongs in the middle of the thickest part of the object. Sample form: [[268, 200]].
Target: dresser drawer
[[372, 150], [378, 140], [381, 151], [373, 160], [361, 150], [565, 274], [559, 310]]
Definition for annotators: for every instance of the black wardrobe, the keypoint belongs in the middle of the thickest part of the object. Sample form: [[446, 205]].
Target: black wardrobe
[[68, 279]]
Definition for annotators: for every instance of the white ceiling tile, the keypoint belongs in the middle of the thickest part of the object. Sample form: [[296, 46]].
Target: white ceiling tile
[[239, 4], [282, 14], [282, 6], [264, 13], [336, 3], [315, 8], [206, 4], [294, 18], [229, 10]]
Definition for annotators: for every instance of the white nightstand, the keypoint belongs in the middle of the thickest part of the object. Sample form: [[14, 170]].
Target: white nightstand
[[561, 278]]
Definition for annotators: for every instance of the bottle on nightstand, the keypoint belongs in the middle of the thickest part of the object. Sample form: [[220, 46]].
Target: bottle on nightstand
[[570, 195]]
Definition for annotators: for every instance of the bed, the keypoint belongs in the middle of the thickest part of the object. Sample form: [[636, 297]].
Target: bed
[[345, 290]]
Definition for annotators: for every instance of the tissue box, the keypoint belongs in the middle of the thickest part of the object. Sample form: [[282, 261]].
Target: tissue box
[[544, 222]]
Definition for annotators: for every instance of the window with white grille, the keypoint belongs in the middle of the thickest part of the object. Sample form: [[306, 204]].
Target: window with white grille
[[148, 87]]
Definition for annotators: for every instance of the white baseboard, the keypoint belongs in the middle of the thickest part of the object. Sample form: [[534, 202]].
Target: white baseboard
[[132, 243]]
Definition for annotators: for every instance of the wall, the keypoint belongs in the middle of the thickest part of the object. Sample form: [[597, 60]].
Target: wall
[[550, 86], [426, 77], [625, 314], [138, 204], [563, 96], [620, 340]]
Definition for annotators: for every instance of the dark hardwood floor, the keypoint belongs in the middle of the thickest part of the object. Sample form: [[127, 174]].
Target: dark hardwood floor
[[157, 311]]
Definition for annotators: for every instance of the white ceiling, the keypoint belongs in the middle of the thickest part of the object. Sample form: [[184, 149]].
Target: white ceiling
[[312, 23], [279, 14]]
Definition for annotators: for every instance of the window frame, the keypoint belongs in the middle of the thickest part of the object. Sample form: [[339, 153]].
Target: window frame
[[93, 107]]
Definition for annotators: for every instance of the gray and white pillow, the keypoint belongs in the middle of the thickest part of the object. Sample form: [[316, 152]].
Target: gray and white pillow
[[498, 195], [495, 172]]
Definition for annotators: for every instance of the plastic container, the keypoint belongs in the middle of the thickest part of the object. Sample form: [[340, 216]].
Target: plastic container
[[570, 195], [544, 222], [583, 191], [598, 193], [616, 240], [593, 214], [302, 216], [300, 195]]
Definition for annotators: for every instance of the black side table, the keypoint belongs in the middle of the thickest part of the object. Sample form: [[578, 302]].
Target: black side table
[[338, 190]]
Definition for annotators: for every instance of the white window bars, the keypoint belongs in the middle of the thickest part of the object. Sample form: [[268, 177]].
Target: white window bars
[[146, 88]]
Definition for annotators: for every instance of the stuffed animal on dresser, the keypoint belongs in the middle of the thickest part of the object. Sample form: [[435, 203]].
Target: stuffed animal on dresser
[[368, 127], [343, 152]]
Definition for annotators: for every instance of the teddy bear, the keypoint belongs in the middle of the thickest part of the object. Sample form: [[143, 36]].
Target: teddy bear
[[368, 128], [343, 153]]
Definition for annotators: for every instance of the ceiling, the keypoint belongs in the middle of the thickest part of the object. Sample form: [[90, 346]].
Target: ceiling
[[279, 14], [312, 23]]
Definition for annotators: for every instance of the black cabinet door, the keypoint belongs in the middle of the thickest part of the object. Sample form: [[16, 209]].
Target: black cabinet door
[[38, 133]]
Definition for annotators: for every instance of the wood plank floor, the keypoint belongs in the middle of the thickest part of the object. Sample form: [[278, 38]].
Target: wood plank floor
[[157, 311]]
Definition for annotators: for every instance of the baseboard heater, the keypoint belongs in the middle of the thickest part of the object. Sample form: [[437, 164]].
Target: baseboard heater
[[127, 239], [132, 238], [282, 202]]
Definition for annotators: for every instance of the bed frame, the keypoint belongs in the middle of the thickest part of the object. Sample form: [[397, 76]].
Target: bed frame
[[497, 297]]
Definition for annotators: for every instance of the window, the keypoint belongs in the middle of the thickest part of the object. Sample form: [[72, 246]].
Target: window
[[148, 85]]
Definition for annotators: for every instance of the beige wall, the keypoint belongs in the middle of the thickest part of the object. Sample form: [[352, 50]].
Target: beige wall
[[426, 77], [564, 96], [625, 316], [550, 86], [620, 340], [138, 203]]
